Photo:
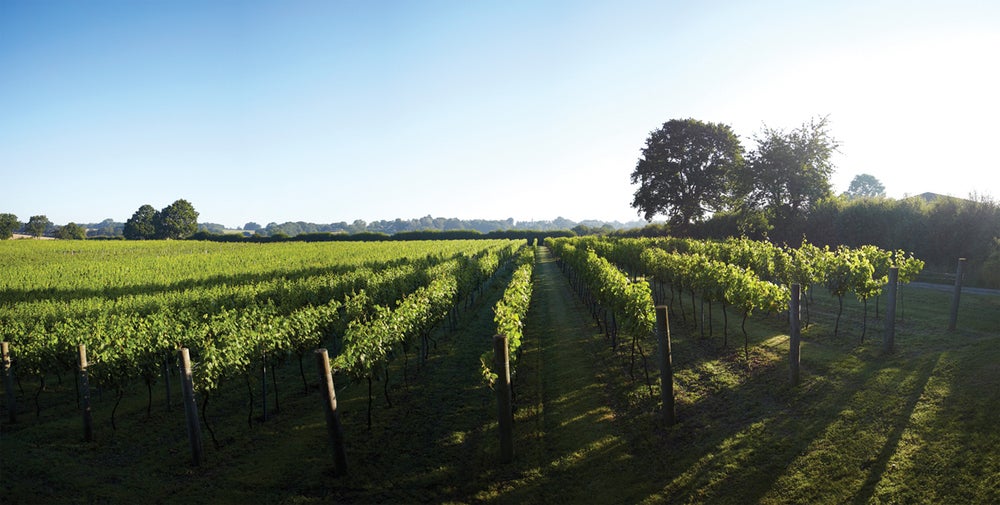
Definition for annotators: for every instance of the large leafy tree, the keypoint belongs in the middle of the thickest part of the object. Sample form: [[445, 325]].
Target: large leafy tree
[[8, 225], [789, 171], [142, 224], [865, 186], [37, 225], [71, 231], [177, 220], [684, 170]]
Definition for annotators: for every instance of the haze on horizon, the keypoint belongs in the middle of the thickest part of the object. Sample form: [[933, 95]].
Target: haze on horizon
[[334, 111]]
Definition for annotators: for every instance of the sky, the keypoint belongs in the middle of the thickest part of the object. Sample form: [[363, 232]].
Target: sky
[[334, 111]]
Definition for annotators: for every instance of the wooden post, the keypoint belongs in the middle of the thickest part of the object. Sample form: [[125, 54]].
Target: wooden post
[[333, 426], [795, 339], [190, 407], [953, 321], [88, 421], [666, 364], [263, 387], [8, 383], [505, 416], [166, 379], [889, 340]]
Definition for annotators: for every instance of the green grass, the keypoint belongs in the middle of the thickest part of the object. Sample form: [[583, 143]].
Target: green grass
[[915, 426], [910, 427]]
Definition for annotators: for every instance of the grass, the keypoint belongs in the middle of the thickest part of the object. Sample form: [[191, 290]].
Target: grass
[[858, 428], [914, 426]]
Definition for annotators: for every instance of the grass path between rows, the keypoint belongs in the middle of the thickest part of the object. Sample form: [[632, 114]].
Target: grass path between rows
[[569, 448]]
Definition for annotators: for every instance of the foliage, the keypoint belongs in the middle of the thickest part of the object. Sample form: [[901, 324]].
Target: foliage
[[37, 225], [865, 186], [511, 310], [211, 227], [177, 221], [499, 228], [8, 225], [910, 427], [991, 267], [756, 275], [788, 172], [613, 298], [684, 169], [132, 303], [106, 228], [142, 224], [71, 231], [938, 232]]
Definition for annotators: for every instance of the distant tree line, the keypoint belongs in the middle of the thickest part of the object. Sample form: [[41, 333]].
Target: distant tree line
[[440, 224], [38, 226], [179, 221], [529, 235]]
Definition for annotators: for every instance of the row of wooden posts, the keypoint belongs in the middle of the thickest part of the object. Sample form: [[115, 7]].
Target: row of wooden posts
[[662, 331], [505, 415], [328, 396]]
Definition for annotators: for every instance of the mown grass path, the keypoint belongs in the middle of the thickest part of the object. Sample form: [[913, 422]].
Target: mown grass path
[[568, 446]]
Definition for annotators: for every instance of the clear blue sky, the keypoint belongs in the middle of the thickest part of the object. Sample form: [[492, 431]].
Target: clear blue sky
[[334, 111]]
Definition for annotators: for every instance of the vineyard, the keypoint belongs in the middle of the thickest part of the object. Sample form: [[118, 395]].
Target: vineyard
[[96, 328]]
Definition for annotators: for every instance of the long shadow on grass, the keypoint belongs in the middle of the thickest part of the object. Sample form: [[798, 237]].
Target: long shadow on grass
[[429, 445], [943, 452], [569, 445], [881, 463], [738, 443]]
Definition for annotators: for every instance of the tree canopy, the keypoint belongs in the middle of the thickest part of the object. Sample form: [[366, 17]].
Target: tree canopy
[[789, 172], [865, 186], [8, 225], [684, 170], [37, 225], [71, 231], [177, 220], [142, 224]]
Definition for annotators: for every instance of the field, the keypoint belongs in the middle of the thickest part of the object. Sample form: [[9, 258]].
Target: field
[[914, 426]]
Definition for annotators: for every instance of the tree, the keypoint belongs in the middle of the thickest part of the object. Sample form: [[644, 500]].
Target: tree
[[684, 170], [251, 226], [37, 225], [177, 220], [789, 171], [214, 228], [71, 231], [358, 226], [865, 186], [142, 224], [8, 225], [107, 228]]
